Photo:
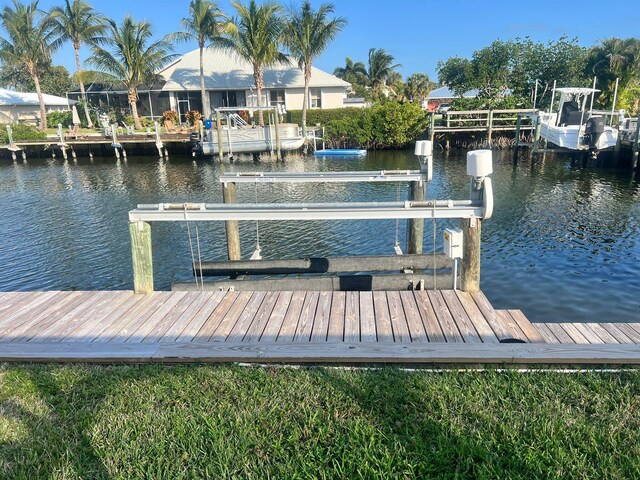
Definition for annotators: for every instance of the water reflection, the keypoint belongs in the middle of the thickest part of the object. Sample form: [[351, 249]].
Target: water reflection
[[562, 244]]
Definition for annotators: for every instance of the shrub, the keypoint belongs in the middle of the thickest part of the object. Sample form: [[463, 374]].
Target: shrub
[[193, 117], [323, 117], [385, 125], [54, 118], [21, 132]]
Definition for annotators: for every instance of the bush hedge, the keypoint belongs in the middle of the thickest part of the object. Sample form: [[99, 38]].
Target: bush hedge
[[21, 132], [385, 125]]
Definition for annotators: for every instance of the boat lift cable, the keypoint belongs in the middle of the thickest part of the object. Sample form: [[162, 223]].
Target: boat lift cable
[[199, 258], [396, 246], [193, 258]]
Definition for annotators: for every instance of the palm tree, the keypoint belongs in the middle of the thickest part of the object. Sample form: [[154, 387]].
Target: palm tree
[[352, 72], [78, 22], [381, 67], [29, 43], [207, 25], [418, 87], [307, 35], [256, 38], [132, 60]]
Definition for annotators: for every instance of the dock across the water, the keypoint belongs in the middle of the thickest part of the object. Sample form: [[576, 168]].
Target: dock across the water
[[407, 327]]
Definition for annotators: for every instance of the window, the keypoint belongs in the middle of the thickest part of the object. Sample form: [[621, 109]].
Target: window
[[276, 97], [228, 98], [315, 98]]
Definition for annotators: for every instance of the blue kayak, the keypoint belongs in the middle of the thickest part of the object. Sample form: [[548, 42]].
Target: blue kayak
[[340, 152]]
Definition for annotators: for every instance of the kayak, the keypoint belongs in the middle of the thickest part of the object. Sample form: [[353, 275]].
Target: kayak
[[340, 152]]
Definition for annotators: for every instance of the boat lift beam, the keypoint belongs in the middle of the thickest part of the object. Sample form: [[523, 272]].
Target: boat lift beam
[[324, 177], [175, 212]]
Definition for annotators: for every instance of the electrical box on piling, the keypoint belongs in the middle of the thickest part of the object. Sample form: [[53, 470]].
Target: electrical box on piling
[[453, 243]]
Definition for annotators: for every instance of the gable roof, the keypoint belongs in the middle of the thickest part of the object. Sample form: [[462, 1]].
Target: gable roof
[[225, 70], [11, 97], [445, 92]]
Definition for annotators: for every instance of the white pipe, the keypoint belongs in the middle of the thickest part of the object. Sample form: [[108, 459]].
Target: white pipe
[[553, 96], [615, 98], [455, 273], [535, 95], [593, 94]]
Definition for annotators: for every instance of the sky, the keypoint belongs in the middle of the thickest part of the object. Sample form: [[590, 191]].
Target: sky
[[418, 33]]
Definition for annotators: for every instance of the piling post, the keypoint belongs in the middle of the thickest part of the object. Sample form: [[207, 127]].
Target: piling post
[[415, 230], [141, 256], [489, 128], [432, 127], [470, 275], [233, 230], [516, 145], [219, 128], [636, 144], [278, 146], [536, 136]]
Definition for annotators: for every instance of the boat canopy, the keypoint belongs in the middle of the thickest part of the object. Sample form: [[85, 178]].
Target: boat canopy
[[577, 90]]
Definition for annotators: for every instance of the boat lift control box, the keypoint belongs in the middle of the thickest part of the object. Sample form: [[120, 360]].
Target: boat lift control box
[[453, 243]]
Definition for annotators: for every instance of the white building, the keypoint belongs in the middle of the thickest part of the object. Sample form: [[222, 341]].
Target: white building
[[24, 107], [229, 83]]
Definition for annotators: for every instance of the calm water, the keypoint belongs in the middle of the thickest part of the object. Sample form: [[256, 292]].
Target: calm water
[[563, 244]]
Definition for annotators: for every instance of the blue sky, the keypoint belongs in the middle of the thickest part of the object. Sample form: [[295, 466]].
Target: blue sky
[[417, 33]]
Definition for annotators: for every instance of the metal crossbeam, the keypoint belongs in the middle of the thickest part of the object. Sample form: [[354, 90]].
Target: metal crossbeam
[[324, 177], [307, 211]]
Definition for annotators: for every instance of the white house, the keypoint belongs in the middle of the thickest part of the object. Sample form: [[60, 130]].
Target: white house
[[229, 83], [24, 107]]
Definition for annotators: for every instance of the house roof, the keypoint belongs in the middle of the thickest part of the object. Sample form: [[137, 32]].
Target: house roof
[[225, 70], [10, 97], [445, 92]]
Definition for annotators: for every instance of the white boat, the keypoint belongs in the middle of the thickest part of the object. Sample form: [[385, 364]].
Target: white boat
[[252, 139], [574, 126]]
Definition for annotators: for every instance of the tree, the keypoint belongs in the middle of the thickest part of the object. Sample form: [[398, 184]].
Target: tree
[[456, 73], [612, 59], [131, 59], [418, 87], [29, 43], [77, 22], [381, 67], [352, 72], [207, 25], [307, 35], [54, 79], [256, 38]]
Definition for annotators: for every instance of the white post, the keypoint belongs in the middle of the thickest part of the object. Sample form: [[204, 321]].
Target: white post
[[615, 98]]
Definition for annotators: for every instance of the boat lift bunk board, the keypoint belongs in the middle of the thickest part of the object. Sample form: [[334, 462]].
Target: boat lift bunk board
[[340, 152], [575, 127]]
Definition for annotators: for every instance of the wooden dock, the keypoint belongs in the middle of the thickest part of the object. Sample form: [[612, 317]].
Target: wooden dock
[[425, 327]]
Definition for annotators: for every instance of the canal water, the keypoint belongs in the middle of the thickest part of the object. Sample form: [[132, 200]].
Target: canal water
[[563, 245]]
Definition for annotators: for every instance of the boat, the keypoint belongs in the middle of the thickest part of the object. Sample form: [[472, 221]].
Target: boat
[[340, 152], [575, 127], [251, 139]]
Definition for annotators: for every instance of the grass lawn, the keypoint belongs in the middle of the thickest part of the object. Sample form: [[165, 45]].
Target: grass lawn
[[156, 422]]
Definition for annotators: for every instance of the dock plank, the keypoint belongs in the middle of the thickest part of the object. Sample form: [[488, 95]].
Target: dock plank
[[199, 319], [398, 318], [307, 316], [153, 320], [290, 322], [491, 316], [546, 333], [246, 317], [602, 333], [384, 329], [485, 332], [176, 327], [214, 320], [511, 325], [526, 326], [129, 314], [274, 323], [23, 307], [261, 318], [367, 318], [429, 318], [321, 321], [336, 317], [352, 317], [465, 325], [447, 323], [417, 331], [588, 333], [232, 316]]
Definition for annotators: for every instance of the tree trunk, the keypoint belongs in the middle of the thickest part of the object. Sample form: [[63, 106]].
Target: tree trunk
[[133, 101], [43, 109], [305, 101], [205, 104], [83, 94], [258, 79]]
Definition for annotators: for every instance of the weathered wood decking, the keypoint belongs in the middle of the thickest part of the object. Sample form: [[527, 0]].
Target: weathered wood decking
[[405, 326]]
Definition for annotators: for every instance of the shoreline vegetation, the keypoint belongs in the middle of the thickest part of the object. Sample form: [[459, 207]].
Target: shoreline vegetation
[[154, 421], [505, 74]]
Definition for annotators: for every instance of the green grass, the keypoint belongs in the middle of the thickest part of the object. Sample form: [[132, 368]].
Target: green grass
[[156, 422]]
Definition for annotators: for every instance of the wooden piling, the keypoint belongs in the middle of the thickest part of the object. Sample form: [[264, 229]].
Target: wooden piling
[[142, 258], [432, 127], [232, 227], [470, 274], [219, 128], [278, 145], [516, 145], [489, 128], [415, 228], [536, 136]]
